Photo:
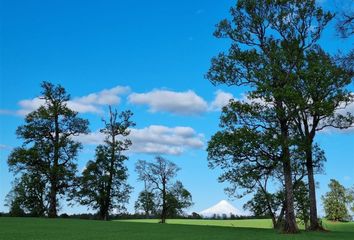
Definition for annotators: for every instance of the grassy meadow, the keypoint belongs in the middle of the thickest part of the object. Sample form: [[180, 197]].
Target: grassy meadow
[[72, 229]]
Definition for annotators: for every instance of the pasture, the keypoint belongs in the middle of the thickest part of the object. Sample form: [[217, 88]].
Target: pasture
[[74, 229]]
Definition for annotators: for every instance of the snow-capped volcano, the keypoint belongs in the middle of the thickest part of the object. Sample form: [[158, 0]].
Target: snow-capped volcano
[[223, 207]]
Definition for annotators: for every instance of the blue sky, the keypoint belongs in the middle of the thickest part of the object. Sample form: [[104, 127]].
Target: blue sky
[[147, 56]]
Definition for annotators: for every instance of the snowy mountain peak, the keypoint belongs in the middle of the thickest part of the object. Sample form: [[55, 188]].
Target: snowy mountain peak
[[221, 208]]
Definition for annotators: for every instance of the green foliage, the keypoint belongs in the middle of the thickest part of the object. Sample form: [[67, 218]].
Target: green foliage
[[29, 195], [273, 52], [103, 184], [16, 208], [302, 203], [178, 198], [335, 202], [265, 204], [170, 197], [48, 147], [146, 203]]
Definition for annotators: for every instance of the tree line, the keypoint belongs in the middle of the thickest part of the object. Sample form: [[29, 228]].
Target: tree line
[[295, 89], [46, 166]]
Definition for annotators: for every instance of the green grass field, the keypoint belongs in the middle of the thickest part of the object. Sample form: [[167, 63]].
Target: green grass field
[[65, 229]]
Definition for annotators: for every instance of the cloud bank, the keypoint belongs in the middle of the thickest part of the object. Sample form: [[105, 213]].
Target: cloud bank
[[155, 139], [91, 103], [178, 103]]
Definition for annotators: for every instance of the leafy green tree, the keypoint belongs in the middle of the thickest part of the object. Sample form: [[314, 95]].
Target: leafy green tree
[[171, 197], [48, 147], [16, 209], [178, 198], [322, 86], [146, 203], [265, 204], [249, 150], [302, 203], [29, 192], [350, 197], [335, 202], [103, 184], [269, 39]]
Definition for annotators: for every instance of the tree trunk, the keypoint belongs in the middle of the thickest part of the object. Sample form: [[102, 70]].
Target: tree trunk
[[312, 191], [164, 210], [279, 221], [52, 213], [290, 225]]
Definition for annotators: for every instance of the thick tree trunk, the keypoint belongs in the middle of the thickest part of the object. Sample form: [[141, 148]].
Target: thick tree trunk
[[314, 225], [279, 221], [52, 213], [290, 225]]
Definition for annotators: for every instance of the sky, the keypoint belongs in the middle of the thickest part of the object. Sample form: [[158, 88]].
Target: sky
[[147, 56]]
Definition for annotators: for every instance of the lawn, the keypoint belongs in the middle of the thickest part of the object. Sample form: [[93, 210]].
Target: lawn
[[65, 229]]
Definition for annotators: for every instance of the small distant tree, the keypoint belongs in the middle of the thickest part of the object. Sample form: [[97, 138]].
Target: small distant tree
[[178, 198], [16, 208], [29, 194], [335, 202], [146, 203], [266, 204], [302, 203], [195, 215], [159, 175], [103, 183]]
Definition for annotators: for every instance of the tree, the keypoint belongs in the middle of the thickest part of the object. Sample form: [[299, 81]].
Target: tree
[[146, 203], [322, 86], [345, 18], [265, 204], [249, 150], [178, 198], [302, 203], [16, 208], [269, 39], [103, 183], [335, 202], [48, 147], [29, 194], [159, 175]]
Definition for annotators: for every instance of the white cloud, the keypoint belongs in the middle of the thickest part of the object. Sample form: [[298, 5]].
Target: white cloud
[[90, 103], [104, 97], [343, 111], [155, 139], [221, 99], [4, 147], [347, 178], [179, 103]]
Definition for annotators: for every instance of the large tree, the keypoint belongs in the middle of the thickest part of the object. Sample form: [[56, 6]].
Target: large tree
[[268, 41], [171, 197], [324, 97], [248, 150], [103, 184], [48, 147]]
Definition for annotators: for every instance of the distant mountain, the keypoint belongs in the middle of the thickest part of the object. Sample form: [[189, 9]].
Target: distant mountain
[[223, 207]]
